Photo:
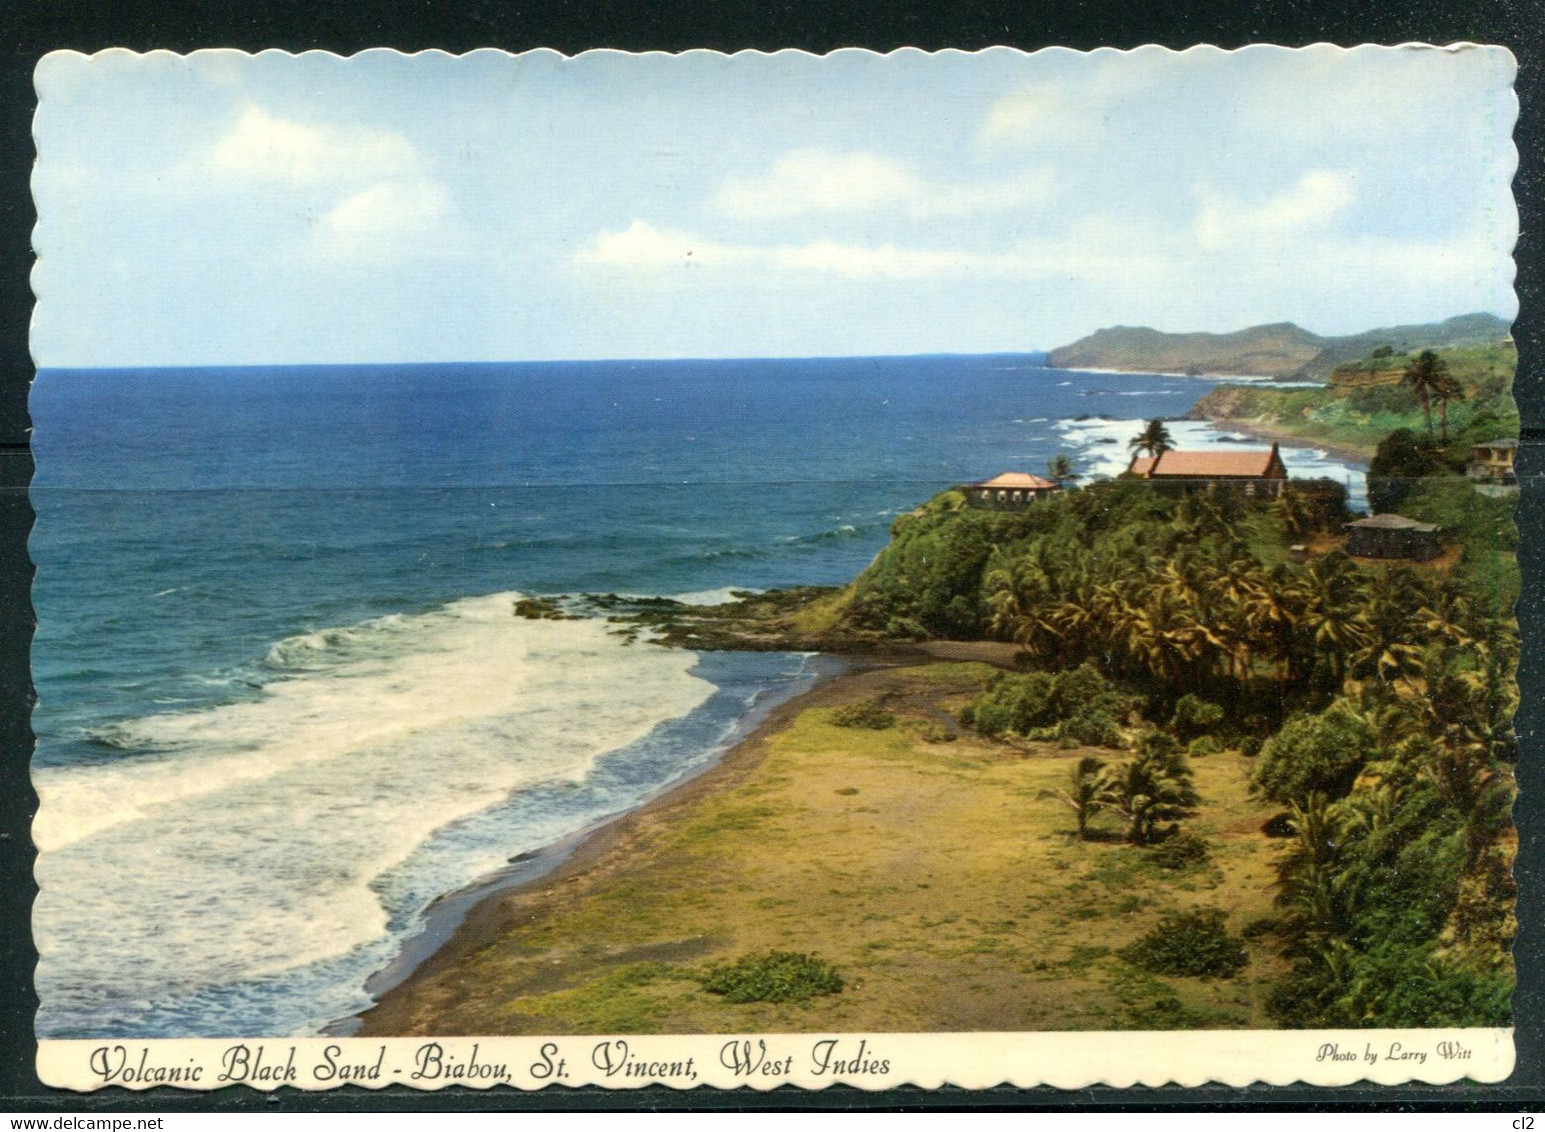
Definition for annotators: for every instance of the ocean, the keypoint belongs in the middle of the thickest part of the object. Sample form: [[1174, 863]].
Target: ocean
[[283, 704]]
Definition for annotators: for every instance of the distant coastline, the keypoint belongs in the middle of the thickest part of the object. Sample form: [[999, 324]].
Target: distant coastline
[[1161, 373], [1279, 350]]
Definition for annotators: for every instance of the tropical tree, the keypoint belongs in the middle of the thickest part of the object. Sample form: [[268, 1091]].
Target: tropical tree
[[1446, 389], [1153, 787], [1089, 788], [1426, 375], [1315, 888], [1333, 621], [1060, 468], [1154, 439], [1296, 512]]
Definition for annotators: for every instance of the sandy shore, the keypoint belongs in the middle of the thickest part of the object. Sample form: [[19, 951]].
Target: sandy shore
[[937, 870], [1345, 452], [594, 853]]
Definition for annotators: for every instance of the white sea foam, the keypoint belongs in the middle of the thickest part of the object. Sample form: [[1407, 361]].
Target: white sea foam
[[249, 843], [712, 597], [1250, 377]]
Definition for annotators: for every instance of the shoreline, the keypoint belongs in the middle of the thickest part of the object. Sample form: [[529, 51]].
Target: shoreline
[[1347, 453], [864, 848], [483, 909], [1253, 378]]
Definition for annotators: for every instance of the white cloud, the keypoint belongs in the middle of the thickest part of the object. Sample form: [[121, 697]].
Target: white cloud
[[386, 218], [642, 246], [1317, 199], [262, 147], [341, 192], [805, 181], [1147, 271], [1078, 111], [1089, 252], [1022, 114]]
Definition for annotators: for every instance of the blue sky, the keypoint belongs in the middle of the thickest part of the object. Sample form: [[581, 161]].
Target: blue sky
[[221, 208]]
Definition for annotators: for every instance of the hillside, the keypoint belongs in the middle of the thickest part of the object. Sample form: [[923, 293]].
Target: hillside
[[1280, 350], [1365, 400]]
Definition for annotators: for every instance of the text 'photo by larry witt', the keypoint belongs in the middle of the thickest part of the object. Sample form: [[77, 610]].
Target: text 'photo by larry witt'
[[612, 546]]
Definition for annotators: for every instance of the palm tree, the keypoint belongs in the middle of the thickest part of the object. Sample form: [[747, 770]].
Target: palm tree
[[1333, 619], [1154, 439], [1446, 389], [1296, 512], [1154, 787], [1089, 788], [1317, 891], [1426, 375], [1060, 468]]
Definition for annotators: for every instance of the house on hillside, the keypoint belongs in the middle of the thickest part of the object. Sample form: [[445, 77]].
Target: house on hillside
[[1492, 462], [1009, 490], [1255, 472], [1393, 536]]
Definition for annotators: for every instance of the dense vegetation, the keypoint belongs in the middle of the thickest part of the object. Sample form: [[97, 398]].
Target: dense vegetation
[[1379, 699], [1370, 397]]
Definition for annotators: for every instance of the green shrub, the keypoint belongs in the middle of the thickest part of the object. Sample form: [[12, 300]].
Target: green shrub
[[1195, 716], [1203, 745], [1260, 928], [868, 714], [773, 976], [905, 629], [1181, 851], [1250, 746], [1189, 943], [1078, 704], [1314, 753], [1091, 728]]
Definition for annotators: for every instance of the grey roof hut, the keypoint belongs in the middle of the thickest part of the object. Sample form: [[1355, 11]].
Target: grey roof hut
[[1393, 536]]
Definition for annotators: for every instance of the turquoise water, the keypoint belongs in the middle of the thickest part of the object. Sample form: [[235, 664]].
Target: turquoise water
[[282, 701]]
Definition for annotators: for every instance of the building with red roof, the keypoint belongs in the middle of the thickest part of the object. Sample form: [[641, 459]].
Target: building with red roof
[[1253, 471], [1010, 489]]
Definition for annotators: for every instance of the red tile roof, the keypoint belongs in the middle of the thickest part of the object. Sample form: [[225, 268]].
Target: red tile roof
[[1173, 462], [1019, 480]]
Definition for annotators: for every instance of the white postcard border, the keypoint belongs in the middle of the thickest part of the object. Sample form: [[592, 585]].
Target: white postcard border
[[813, 1061]]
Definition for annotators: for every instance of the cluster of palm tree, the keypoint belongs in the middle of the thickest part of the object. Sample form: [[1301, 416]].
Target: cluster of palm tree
[[1393, 852], [1428, 375], [1149, 789], [1186, 605]]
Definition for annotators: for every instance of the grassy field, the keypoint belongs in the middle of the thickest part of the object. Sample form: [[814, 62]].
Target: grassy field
[[938, 872]]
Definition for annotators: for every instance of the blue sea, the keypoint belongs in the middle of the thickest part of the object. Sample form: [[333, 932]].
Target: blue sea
[[283, 701]]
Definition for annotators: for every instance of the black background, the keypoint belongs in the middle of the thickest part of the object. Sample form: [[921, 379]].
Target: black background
[[30, 30]]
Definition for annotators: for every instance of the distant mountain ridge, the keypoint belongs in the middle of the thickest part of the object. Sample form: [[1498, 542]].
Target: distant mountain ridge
[[1280, 349]]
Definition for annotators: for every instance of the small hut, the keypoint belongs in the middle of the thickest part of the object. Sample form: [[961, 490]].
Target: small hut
[[1393, 536], [1009, 490]]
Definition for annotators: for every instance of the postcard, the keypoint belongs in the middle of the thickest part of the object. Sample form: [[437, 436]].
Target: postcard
[[744, 570]]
